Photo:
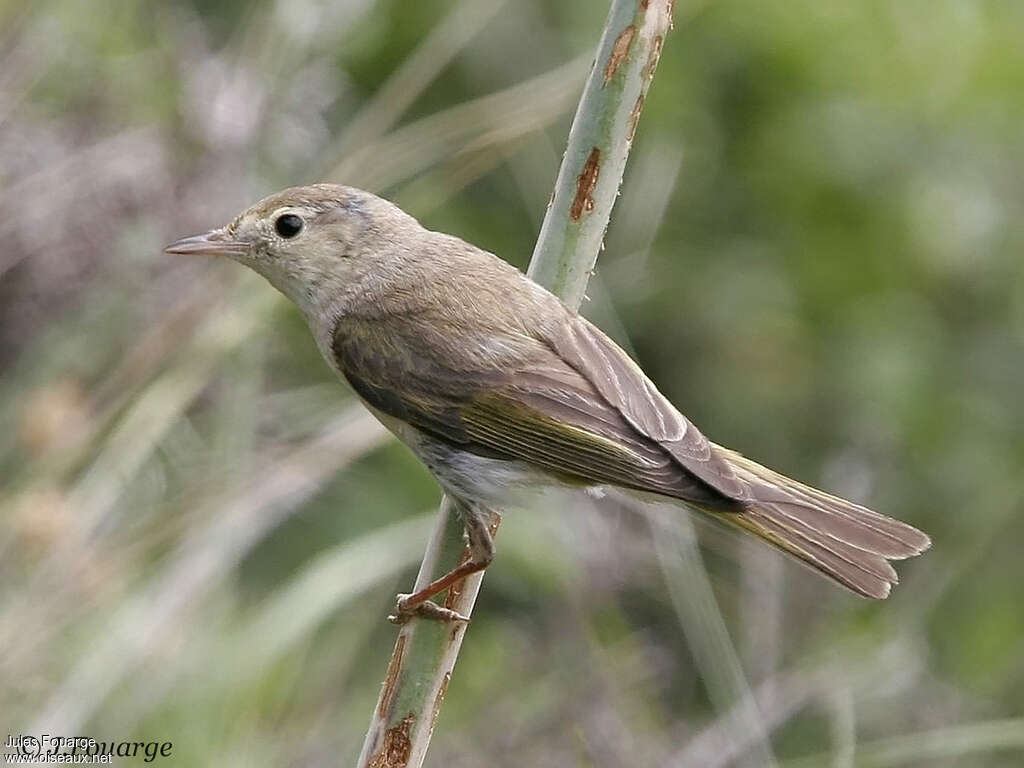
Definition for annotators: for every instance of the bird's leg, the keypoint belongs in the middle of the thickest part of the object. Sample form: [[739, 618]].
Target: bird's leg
[[481, 553]]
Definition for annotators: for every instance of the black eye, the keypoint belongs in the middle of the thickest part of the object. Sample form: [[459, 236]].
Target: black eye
[[288, 225]]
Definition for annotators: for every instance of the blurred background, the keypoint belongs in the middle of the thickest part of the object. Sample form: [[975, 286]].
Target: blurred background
[[814, 256]]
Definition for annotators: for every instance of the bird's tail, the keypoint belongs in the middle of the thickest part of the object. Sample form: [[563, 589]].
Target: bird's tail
[[847, 542]]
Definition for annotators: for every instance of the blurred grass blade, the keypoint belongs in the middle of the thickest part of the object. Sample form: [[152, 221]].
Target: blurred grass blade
[[327, 582], [494, 119], [865, 671], [951, 742], [690, 590], [204, 557], [413, 75]]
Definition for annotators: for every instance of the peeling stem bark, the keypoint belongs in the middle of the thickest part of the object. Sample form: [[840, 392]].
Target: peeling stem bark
[[567, 248]]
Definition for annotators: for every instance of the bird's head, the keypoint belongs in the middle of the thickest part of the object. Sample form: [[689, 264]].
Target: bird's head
[[312, 243]]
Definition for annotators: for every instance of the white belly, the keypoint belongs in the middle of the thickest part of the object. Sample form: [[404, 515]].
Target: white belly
[[489, 481]]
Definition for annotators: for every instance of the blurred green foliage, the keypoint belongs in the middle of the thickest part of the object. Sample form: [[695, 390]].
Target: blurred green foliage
[[814, 256]]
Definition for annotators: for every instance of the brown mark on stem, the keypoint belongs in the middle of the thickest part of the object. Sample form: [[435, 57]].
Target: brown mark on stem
[[391, 679], [619, 51], [397, 746], [586, 182], [634, 117], [454, 593], [655, 57], [455, 590], [644, 4], [439, 699]]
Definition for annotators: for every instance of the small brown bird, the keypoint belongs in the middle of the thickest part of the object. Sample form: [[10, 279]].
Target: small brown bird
[[499, 387]]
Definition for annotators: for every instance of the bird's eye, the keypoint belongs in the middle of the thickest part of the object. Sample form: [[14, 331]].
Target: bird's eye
[[288, 225]]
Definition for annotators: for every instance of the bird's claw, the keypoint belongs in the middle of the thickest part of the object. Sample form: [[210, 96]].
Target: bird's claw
[[425, 610]]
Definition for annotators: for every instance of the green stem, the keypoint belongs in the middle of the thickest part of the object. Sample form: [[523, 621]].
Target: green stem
[[599, 142], [567, 249]]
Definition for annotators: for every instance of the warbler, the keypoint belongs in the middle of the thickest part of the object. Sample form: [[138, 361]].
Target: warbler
[[499, 387]]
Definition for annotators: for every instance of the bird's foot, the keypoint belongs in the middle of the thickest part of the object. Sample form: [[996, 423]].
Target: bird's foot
[[406, 608]]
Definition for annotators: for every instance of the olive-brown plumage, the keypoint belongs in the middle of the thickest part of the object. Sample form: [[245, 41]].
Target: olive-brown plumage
[[497, 385]]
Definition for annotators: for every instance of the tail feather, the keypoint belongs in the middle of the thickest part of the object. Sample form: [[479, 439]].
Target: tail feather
[[845, 541]]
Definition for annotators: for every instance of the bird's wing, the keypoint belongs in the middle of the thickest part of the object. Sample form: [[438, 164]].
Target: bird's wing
[[625, 387], [579, 407], [544, 412]]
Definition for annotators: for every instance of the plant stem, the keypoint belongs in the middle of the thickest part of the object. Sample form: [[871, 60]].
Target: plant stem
[[602, 133], [566, 251]]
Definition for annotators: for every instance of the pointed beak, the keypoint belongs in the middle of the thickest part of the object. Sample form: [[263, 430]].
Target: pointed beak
[[213, 243]]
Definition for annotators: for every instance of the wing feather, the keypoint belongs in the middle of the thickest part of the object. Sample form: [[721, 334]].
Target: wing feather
[[621, 382], [543, 411]]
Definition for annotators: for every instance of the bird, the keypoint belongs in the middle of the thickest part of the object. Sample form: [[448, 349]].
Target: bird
[[500, 389]]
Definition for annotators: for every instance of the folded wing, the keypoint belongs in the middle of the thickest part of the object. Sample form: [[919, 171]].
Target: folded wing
[[540, 410], [573, 403]]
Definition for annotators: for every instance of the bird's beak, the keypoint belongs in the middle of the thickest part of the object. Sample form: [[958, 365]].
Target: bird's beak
[[214, 243]]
